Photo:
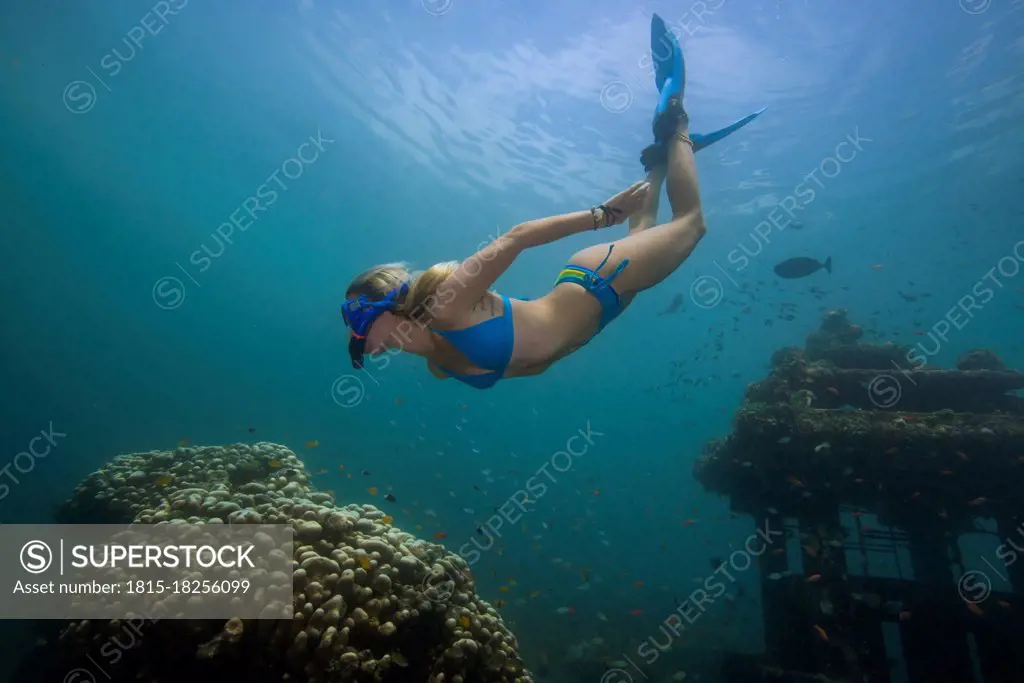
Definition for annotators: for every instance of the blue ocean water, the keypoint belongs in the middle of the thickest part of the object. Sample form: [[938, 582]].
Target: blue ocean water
[[142, 309]]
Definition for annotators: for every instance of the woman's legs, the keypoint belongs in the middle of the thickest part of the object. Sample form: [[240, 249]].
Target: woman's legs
[[656, 252], [647, 216]]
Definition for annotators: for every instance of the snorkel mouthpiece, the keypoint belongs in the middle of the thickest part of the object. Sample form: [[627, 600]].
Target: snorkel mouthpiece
[[356, 350], [360, 313]]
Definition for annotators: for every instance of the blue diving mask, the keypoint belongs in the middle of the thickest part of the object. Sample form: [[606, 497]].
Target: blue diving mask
[[360, 313]]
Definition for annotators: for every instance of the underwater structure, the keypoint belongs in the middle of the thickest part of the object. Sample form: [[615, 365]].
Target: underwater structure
[[371, 602], [877, 469]]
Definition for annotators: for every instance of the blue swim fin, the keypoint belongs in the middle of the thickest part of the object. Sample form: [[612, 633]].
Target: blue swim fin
[[663, 45], [670, 79], [669, 67], [700, 141]]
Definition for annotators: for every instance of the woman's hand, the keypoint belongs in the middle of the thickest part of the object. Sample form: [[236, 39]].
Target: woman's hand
[[623, 205]]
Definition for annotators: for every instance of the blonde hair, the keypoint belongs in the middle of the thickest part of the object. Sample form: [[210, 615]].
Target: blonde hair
[[420, 302]]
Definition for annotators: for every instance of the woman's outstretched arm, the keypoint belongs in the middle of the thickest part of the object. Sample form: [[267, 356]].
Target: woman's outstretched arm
[[616, 210], [478, 273], [547, 230]]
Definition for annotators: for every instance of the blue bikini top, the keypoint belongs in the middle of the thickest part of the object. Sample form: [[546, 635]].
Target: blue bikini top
[[487, 345]]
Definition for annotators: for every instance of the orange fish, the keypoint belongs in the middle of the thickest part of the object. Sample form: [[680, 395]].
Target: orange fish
[[364, 562], [464, 621], [778, 551], [372, 490], [904, 615], [182, 442], [596, 492], [814, 578], [856, 514], [1003, 604], [689, 522], [399, 401], [638, 584], [821, 633], [978, 501], [794, 481], [499, 603], [636, 612], [503, 589], [387, 519], [974, 608], [312, 444], [164, 480], [441, 535], [341, 467], [813, 552]]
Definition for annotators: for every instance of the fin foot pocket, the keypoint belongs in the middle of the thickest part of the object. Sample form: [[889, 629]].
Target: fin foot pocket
[[653, 156], [667, 122]]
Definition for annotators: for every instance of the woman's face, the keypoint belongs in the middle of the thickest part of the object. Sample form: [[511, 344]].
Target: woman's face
[[390, 331]]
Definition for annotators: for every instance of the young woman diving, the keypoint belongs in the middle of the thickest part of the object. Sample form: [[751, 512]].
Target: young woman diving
[[448, 313]]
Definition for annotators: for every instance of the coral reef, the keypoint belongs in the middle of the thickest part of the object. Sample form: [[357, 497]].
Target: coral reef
[[979, 359], [866, 468], [841, 409], [372, 603]]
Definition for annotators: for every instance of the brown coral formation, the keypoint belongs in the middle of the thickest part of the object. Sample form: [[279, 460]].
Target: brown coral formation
[[877, 467], [831, 415], [979, 359], [372, 603]]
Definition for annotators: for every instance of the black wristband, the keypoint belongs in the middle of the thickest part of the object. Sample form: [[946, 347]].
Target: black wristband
[[609, 215]]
